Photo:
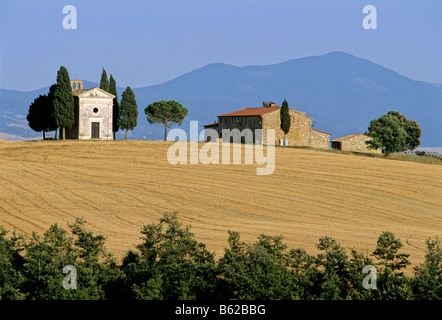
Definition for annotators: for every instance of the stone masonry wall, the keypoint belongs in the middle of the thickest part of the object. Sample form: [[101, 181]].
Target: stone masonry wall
[[103, 116], [357, 143], [319, 139], [93, 105], [299, 134]]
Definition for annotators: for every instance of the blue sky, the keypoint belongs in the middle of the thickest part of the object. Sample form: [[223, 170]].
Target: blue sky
[[149, 42]]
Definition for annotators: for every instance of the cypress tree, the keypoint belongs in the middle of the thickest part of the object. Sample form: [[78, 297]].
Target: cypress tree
[[51, 124], [36, 114], [285, 118], [104, 83], [63, 101], [116, 106], [128, 111], [41, 113]]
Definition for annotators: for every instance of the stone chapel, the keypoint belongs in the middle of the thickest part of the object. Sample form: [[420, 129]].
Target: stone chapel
[[93, 113]]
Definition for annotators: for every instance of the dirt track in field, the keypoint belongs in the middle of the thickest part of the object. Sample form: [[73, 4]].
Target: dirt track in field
[[120, 186]]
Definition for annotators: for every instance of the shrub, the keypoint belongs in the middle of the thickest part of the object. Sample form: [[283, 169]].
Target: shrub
[[170, 264]]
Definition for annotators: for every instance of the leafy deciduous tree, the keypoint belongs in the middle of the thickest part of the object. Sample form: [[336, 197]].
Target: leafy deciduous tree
[[387, 134], [411, 127], [44, 258], [387, 252], [392, 284], [11, 279], [393, 132], [265, 104], [427, 283], [171, 263], [256, 271]]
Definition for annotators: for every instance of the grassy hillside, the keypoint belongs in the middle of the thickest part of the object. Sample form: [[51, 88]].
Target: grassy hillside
[[119, 186]]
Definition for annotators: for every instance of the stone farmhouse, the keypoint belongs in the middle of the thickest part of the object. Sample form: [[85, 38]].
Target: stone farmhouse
[[353, 142], [301, 132], [93, 113]]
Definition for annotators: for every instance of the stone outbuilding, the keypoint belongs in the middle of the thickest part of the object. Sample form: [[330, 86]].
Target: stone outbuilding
[[301, 132], [319, 139], [93, 113], [353, 142]]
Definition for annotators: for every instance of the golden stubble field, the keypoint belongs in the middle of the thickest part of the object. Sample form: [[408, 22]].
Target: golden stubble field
[[120, 186]]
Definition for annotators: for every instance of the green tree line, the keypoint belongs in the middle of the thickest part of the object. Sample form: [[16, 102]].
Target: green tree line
[[171, 264]]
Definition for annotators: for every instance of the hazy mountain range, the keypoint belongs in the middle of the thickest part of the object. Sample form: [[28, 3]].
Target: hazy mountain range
[[340, 91]]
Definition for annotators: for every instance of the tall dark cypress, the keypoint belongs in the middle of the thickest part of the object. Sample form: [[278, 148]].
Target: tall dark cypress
[[128, 111], [285, 118], [104, 82], [50, 123], [63, 102], [116, 105]]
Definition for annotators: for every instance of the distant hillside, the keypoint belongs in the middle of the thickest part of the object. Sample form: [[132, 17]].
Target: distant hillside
[[340, 91]]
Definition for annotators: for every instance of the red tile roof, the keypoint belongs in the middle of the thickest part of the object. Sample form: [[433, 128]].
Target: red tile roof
[[255, 112], [211, 124]]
